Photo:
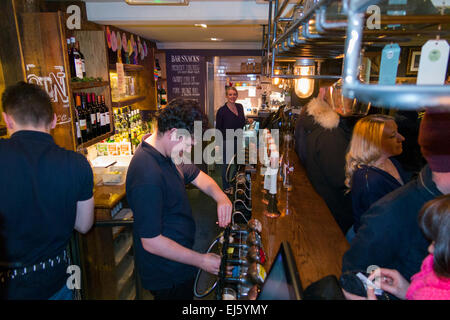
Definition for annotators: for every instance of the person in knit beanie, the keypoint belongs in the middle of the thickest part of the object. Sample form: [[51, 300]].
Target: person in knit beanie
[[434, 139]]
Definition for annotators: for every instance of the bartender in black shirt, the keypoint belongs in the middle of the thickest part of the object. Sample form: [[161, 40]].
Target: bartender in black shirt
[[45, 193], [164, 228]]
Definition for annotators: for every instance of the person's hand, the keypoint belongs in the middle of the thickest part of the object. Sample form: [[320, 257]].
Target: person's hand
[[370, 295], [210, 263], [224, 209], [391, 281]]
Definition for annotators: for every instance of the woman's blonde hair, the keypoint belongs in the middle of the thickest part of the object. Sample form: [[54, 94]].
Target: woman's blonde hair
[[365, 145], [230, 88]]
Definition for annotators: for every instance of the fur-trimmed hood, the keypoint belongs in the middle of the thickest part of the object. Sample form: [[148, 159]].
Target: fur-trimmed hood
[[322, 113]]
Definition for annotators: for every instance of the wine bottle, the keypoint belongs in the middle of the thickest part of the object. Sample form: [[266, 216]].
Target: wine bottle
[[83, 66], [82, 118], [102, 115], [89, 134], [71, 59], [97, 108], [107, 117], [93, 115], [76, 60], [77, 119]]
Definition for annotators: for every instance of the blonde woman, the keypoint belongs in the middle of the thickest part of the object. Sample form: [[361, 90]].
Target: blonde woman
[[371, 171], [229, 116]]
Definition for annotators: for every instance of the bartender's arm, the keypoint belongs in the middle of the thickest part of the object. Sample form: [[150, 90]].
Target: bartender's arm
[[169, 249], [224, 207]]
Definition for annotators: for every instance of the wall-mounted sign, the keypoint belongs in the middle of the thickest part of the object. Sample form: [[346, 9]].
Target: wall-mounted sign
[[186, 77]]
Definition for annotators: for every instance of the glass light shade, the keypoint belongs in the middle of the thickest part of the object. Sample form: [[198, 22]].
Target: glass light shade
[[304, 88], [276, 81]]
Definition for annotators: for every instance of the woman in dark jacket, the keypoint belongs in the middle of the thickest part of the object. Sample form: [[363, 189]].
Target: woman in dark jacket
[[229, 116], [371, 170]]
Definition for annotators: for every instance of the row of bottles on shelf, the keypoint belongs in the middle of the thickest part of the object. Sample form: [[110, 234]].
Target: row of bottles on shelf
[[129, 126], [76, 59], [92, 116]]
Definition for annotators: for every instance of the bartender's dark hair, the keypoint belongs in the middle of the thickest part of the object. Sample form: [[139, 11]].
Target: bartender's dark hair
[[434, 220], [180, 114], [27, 104]]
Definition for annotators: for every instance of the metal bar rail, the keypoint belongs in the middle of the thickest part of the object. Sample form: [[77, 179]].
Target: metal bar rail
[[407, 97]]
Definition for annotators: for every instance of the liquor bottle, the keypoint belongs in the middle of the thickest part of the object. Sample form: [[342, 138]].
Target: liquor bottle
[[80, 127], [107, 117], [87, 120], [76, 61]]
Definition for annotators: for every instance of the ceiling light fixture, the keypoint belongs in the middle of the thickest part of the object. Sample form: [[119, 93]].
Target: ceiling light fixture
[[158, 2], [216, 39], [202, 25], [304, 87]]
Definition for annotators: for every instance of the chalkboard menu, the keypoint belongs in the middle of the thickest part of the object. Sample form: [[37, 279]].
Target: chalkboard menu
[[186, 77]]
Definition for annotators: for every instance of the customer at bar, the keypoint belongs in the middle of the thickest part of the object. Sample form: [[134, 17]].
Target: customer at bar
[[46, 193], [327, 131], [389, 235], [229, 117], [371, 169], [433, 280], [164, 228]]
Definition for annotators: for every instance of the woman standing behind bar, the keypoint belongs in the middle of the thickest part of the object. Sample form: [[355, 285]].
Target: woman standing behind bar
[[229, 116], [371, 172]]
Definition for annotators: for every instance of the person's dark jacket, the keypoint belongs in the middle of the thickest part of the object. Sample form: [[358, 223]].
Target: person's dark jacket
[[370, 184], [327, 140], [303, 127], [389, 236]]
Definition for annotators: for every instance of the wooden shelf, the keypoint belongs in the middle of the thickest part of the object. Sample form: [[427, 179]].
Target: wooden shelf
[[95, 140], [127, 101], [128, 67], [86, 85]]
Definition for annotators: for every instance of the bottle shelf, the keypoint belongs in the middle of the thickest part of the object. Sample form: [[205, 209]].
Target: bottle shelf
[[90, 84], [128, 67], [127, 101], [95, 140]]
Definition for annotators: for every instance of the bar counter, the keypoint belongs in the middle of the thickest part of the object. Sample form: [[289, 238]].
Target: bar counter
[[317, 242]]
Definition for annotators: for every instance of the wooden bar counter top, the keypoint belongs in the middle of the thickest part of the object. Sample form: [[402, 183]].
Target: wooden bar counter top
[[317, 242]]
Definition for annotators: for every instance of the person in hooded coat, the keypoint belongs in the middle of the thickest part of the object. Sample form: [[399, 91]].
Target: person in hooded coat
[[322, 138]]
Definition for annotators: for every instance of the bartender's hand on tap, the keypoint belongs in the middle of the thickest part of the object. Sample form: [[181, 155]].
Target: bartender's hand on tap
[[211, 263], [224, 209], [211, 188]]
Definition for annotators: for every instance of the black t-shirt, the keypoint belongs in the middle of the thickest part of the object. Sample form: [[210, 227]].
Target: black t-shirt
[[41, 184], [157, 195]]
